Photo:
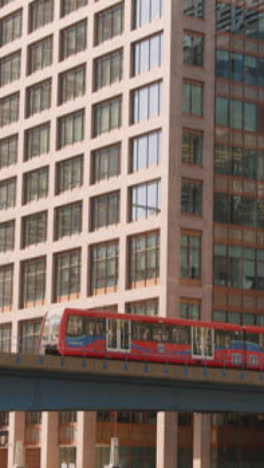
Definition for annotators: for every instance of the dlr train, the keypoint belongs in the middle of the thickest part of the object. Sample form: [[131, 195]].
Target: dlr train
[[90, 333]]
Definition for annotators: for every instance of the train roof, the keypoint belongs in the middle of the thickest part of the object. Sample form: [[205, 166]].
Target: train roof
[[166, 320]]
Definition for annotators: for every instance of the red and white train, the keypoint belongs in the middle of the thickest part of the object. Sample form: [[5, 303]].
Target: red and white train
[[98, 334]]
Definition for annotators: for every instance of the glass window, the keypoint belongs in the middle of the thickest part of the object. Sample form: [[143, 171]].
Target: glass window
[[145, 151], [104, 260], [67, 6], [5, 347], [109, 23], [35, 184], [105, 210], [192, 147], [145, 11], [7, 193], [192, 98], [190, 256], [222, 65], [149, 307], [70, 128], [67, 275], [10, 27], [9, 109], [37, 141], [72, 84], [40, 54], [107, 116], [144, 251], [191, 197], [73, 39], [29, 331], [146, 102], [108, 69], [10, 68], [8, 151], [147, 53], [34, 229], [193, 8], [193, 45], [33, 282], [221, 112], [7, 236], [190, 310], [106, 162], [68, 220], [69, 174], [38, 97], [40, 13], [6, 287], [145, 200]]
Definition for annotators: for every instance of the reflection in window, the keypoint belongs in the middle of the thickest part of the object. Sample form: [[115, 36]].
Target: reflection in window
[[105, 210], [146, 102], [191, 197], [239, 115], [192, 98], [192, 147], [147, 54], [190, 256], [193, 8], [193, 45], [145, 200], [145, 11], [144, 252], [145, 151]]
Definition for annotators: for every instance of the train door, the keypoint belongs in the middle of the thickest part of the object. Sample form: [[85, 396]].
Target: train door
[[118, 335], [202, 343]]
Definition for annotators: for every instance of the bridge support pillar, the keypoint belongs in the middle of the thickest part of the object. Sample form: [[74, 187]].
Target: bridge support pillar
[[49, 440], [167, 438], [86, 439], [16, 433], [201, 440]]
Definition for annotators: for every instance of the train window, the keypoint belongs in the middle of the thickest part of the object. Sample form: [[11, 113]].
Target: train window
[[253, 360], [75, 325], [141, 331], [261, 341], [180, 335], [95, 327], [252, 338], [161, 333], [223, 339]]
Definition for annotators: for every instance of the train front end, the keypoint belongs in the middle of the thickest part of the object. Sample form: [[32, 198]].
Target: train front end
[[49, 335]]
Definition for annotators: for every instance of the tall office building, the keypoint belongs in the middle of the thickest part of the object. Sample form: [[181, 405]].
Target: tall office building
[[131, 179]]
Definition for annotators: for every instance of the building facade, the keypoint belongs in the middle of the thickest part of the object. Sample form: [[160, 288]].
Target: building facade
[[131, 179]]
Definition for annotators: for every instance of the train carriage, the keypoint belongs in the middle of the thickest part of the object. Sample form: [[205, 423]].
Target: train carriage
[[97, 333]]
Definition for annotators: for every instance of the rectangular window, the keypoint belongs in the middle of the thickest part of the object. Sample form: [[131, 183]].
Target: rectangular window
[[190, 309], [192, 98], [108, 69], [40, 13], [106, 163], [69, 174], [5, 347], [67, 275], [67, 6], [7, 193], [147, 54], [37, 141], [29, 331], [5, 2], [105, 210], [144, 253], [10, 68], [9, 109], [34, 229], [68, 220], [73, 39], [35, 184], [104, 269], [146, 102], [109, 23], [149, 307], [236, 114], [193, 46], [144, 200], [7, 236], [72, 84], [8, 151], [191, 256], [70, 128], [191, 197], [33, 282], [107, 116], [10, 27], [192, 147], [38, 97], [145, 11], [145, 151], [40, 54], [6, 287], [193, 8]]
